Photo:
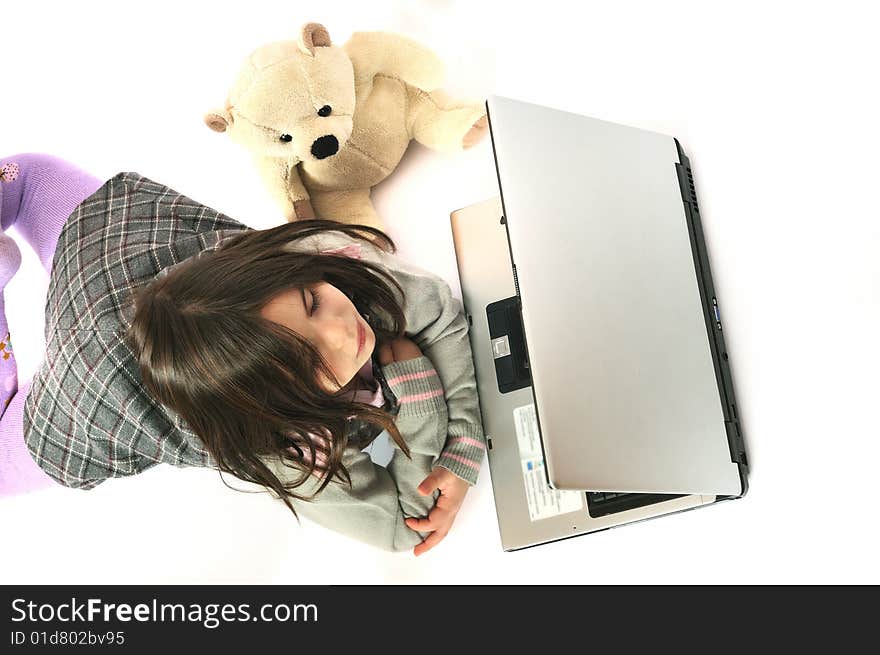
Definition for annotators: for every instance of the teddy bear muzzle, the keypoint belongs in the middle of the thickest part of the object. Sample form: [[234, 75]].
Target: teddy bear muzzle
[[325, 146]]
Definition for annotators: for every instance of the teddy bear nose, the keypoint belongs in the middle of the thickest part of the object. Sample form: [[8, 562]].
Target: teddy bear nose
[[325, 146]]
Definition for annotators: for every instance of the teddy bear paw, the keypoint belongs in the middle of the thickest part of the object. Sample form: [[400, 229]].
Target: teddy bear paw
[[476, 132], [303, 210]]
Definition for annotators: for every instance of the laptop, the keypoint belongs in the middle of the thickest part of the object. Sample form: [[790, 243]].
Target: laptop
[[604, 381]]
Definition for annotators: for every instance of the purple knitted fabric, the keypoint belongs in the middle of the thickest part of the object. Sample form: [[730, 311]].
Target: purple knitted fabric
[[36, 197]]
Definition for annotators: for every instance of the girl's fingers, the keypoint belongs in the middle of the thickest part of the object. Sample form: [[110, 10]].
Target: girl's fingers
[[386, 355], [429, 484], [437, 519], [404, 349], [421, 525], [431, 541]]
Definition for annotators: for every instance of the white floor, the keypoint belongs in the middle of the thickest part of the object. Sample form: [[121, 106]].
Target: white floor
[[777, 110]]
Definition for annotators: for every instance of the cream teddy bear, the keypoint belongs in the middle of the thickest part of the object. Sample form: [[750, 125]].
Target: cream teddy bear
[[326, 123]]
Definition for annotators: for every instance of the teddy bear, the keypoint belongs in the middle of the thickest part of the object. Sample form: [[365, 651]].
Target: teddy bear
[[326, 123]]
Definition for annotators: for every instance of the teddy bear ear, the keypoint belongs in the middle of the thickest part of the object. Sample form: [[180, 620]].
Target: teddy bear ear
[[313, 35], [218, 120]]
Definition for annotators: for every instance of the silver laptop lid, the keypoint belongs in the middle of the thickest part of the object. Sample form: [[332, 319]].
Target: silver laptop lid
[[625, 389]]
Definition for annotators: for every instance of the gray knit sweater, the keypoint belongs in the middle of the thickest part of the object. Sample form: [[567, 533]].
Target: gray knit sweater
[[438, 416]]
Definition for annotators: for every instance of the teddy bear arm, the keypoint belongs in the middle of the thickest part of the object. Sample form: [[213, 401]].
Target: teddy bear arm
[[286, 187], [439, 123], [374, 53]]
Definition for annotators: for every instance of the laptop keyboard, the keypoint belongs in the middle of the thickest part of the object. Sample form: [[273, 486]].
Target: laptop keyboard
[[602, 503]]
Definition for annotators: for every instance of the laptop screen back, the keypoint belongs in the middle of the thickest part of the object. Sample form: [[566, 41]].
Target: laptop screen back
[[624, 384]]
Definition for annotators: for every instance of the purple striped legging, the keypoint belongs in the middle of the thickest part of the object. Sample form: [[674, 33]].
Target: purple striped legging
[[37, 202]]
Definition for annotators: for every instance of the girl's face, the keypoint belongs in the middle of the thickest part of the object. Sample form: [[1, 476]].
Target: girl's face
[[325, 316]]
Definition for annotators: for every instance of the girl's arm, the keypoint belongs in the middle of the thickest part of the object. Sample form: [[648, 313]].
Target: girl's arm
[[436, 323], [380, 499]]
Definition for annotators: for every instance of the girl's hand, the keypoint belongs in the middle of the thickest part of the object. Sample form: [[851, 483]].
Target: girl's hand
[[398, 350], [439, 521]]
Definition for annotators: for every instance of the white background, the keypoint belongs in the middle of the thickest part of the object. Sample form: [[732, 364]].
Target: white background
[[776, 104]]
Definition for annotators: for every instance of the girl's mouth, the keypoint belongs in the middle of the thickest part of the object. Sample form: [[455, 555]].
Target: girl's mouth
[[362, 338]]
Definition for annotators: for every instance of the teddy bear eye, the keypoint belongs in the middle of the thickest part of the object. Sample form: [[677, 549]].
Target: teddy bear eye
[[325, 110], [286, 138]]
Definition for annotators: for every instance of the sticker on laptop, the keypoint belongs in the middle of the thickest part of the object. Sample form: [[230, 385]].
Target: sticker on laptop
[[544, 502]]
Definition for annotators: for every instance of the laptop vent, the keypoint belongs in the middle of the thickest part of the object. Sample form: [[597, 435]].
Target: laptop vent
[[693, 190]]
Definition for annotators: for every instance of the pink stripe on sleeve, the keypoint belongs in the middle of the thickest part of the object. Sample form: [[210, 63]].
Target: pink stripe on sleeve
[[411, 376], [463, 460], [468, 440]]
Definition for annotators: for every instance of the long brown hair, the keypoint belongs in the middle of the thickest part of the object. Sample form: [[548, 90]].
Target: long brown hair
[[248, 387]]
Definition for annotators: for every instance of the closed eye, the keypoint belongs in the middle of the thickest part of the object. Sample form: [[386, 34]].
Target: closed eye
[[316, 301]]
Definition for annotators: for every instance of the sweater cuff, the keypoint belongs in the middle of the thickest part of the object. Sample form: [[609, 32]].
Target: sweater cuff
[[416, 385], [463, 456]]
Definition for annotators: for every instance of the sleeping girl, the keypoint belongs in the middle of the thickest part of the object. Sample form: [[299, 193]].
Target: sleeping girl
[[176, 334]]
